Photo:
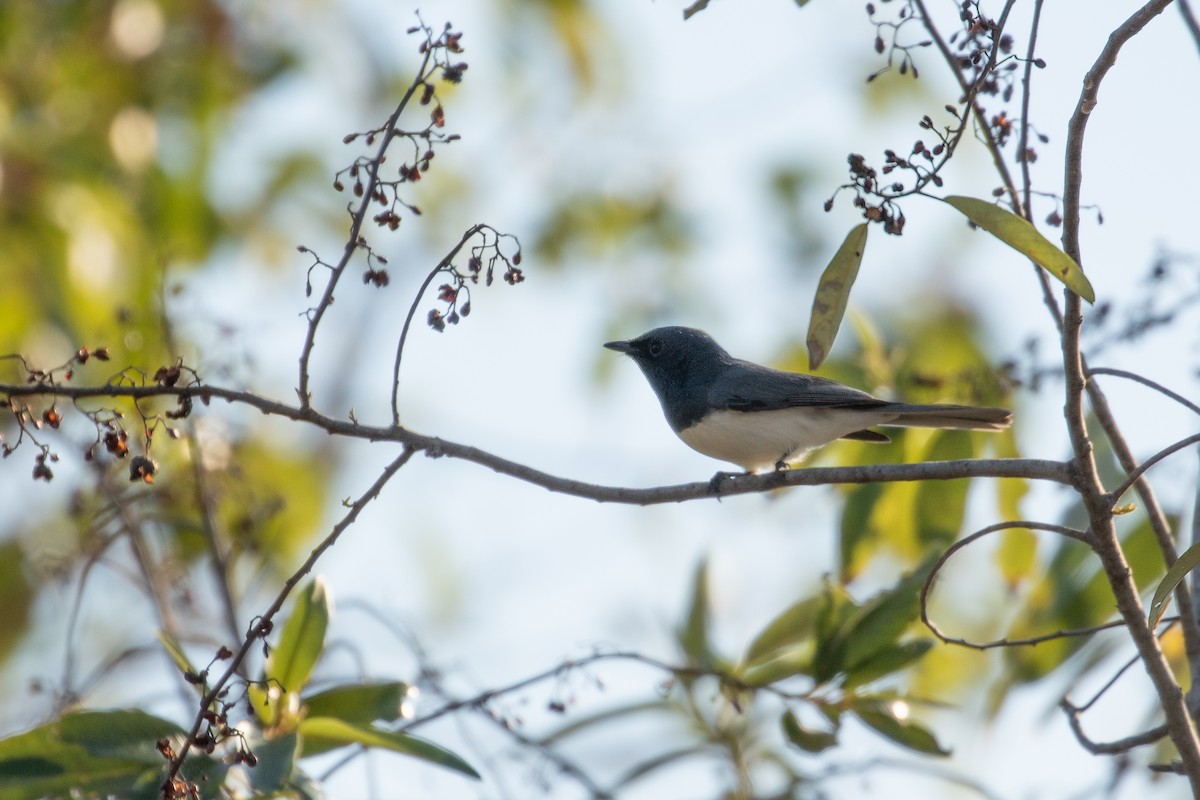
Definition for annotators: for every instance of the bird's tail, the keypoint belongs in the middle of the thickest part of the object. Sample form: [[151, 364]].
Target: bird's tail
[[972, 418]]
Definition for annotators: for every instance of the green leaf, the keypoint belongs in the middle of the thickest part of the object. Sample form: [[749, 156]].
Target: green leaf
[[837, 608], [1019, 234], [856, 528], [878, 623], [264, 707], [122, 733], [780, 664], [361, 703], [693, 636], [326, 730], [880, 717], [940, 505], [1186, 562], [885, 662], [806, 739], [96, 753], [171, 645], [302, 639], [16, 596], [833, 291], [276, 762], [792, 627]]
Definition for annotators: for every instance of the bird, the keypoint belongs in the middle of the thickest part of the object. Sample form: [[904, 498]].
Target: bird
[[763, 419]]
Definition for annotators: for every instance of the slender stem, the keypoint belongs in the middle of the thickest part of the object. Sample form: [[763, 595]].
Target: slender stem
[[970, 91], [966, 541], [357, 218], [1189, 19], [1049, 299], [206, 506], [1158, 387], [1135, 475], [259, 626], [412, 311]]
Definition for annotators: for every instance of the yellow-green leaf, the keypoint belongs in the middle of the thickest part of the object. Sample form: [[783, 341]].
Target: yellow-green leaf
[[302, 639], [795, 625], [1017, 555], [885, 662], [1186, 562], [693, 636], [175, 651], [901, 731], [361, 703], [1019, 234], [327, 730], [829, 303], [805, 738], [779, 665], [941, 505]]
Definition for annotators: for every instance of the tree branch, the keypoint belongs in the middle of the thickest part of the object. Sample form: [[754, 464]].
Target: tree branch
[[726, 485], [1158, 387], [1136, 474], [259, 627], [1120, 577], [1189, 19], [1113, 748], [927, 587], [357, 218]]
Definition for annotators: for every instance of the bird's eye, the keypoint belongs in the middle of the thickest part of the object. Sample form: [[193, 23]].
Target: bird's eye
[[654, 347]]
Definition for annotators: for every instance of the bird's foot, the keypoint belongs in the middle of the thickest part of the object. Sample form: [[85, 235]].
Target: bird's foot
[[714, 485]]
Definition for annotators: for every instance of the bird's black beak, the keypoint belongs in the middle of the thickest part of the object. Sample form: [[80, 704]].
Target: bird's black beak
[[623, 346]]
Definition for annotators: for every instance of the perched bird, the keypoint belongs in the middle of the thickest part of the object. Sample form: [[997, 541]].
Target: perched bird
[[761, 418]]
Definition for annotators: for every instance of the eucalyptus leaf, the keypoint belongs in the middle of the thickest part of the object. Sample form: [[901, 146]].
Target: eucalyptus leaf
[[1186, 562], [833, 292], [1019, 234], [806, 739]]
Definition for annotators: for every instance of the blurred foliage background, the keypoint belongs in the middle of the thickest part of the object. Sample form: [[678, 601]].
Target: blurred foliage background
[[160, 162]]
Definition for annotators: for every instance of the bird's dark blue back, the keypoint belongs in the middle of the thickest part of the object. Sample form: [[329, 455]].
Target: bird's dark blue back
[[693, 376]]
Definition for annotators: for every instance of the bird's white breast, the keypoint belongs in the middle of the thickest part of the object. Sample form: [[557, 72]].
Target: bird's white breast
[[758, 440]]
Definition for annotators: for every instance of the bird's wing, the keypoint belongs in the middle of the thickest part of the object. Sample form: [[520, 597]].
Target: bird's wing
[[744, 386]]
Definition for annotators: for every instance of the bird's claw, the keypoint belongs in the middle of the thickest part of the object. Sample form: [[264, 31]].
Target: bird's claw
[[714, 485]]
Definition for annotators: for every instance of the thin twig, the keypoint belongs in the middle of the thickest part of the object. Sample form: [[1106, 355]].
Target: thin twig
[[1158, 387], [357, 218], [1049, 298], [473, 231], [1189, 19], [1136, 475], [1112, 748], [927, 587], [971, 91], [260, 624]]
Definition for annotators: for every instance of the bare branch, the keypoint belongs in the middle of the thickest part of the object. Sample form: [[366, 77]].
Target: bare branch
[[445, 265], [1179, 722], [261, 624], [723, 485], [927, 587], [1136, 475], [1108, 748], [1158, 387], [357, 218], [1189, 19]]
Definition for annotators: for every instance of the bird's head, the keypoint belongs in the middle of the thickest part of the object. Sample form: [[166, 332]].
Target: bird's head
[[675, 359]]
